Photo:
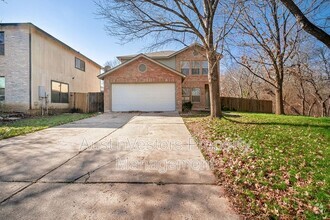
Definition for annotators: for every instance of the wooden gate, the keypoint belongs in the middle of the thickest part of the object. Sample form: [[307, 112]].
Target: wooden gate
[[86, 102]]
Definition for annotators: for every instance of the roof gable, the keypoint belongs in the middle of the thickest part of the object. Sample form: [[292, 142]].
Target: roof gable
[[186, 48], [101, 76]]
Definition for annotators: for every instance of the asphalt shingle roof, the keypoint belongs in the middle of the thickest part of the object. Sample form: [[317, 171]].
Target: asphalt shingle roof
[[156, 54]]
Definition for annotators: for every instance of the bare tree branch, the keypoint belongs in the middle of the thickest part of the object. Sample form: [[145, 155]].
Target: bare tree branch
[[306, 24]]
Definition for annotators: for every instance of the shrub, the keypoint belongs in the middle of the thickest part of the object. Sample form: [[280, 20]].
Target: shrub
[[74, 110], [187, 106]]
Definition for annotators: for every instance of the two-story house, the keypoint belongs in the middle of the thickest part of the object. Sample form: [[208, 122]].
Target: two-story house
[[158, 81], [36, 68]]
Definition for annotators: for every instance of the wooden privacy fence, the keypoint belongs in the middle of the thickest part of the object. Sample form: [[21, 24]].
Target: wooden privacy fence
[[246, 105], [87, 102]]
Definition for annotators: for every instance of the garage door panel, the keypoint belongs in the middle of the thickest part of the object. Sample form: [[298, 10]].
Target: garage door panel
[[143, 97]]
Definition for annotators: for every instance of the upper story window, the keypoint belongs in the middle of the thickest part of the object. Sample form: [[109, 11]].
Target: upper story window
[[2, 88], [196, 66], [79, 64], [2, 43], [60, 92], [185, 67], [205, 67]]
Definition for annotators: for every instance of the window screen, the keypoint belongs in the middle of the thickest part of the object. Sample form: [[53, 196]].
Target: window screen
[[185, 67], [195, 95], [2, 88], [79, 64], [2, 43], [186, 95], [195, 70], [205, 68]]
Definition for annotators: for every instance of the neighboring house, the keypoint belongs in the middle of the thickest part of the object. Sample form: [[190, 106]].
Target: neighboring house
[[35, 65], [158, 81]]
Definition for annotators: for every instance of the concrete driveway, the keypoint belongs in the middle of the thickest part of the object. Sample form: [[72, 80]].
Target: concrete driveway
[[113, 166]]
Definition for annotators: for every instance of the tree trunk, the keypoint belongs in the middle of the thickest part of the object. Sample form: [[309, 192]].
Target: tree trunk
[[311, 108], [303, 107], [324, 109], [279, 105], [213, 78], [303, 96]]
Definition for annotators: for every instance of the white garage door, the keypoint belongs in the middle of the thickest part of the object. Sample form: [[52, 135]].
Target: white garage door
[[143, 97]]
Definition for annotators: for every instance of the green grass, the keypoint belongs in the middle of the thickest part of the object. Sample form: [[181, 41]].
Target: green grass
[[285, 172], [24, 126]]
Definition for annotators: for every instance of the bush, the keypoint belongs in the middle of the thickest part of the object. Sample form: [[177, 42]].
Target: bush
[[74, 110], [226, 108], [187, 106]]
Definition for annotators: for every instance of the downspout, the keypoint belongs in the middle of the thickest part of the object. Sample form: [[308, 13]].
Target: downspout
[[30, 70]]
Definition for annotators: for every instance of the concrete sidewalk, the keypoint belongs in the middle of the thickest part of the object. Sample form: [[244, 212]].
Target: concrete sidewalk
[[116, 165]]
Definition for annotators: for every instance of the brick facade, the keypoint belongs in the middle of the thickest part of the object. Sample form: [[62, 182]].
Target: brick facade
[[194, 81], [130, 74], [14, 66], [156, 74]]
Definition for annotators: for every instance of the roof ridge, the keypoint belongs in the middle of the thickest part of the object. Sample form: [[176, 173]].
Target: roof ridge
[[173, 52], [160, 53], [101, 76], [29, 24]]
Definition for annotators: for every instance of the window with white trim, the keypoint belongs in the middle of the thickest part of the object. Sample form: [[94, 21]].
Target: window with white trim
[[186, 93], [185, 67], [196, 66], [195, 95], [205, 67]]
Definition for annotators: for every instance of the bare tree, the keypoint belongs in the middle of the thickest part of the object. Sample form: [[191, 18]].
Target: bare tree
[[318, 78], [111, 64], [206, 21], [268, 38], [306, 24], [311, 71], [300, 85], [239, 82], [324, 56], [299, 91]]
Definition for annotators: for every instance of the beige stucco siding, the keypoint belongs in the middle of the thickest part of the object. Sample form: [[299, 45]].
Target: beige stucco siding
[[53, 61], [14, 66]]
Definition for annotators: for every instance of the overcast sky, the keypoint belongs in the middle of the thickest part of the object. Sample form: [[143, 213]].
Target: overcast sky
[[72, 21]]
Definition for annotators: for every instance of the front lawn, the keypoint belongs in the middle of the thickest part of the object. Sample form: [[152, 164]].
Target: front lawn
[[272, 166], [24, 126]]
